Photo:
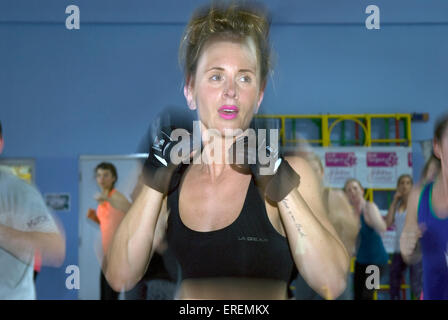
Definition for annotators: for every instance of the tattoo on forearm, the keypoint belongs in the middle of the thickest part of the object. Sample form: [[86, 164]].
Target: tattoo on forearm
[[300, 242], [290, 213]]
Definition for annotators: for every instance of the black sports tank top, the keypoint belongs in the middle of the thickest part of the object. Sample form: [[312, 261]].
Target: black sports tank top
[[250, 247]]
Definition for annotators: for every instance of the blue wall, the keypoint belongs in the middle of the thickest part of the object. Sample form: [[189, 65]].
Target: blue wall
[[94, 90]]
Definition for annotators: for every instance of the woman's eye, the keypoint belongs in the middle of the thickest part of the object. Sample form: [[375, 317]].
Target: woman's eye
[[216, 77], [246, 79]]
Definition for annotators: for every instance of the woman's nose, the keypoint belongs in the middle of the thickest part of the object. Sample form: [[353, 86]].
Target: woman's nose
[[230, 89]]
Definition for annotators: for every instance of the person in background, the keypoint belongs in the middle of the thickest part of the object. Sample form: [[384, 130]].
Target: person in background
[[340, 212], [343, 219], [396, 215], [112, 206], [26, 226], [371, 249], [425, 233]]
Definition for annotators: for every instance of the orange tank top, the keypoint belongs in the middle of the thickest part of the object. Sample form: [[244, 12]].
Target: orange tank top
[[110, 218]]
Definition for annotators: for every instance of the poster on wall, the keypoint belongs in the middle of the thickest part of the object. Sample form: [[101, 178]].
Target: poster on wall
[[58, 201], [374, 167]]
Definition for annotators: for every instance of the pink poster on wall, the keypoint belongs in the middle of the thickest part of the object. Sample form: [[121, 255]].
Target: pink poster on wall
[[340, 166], [382, 167], [374, 167]]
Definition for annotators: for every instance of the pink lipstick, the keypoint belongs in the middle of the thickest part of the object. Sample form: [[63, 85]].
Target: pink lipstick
[[228, 112]]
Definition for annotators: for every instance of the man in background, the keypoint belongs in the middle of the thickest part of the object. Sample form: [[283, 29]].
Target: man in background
[[26, 226]]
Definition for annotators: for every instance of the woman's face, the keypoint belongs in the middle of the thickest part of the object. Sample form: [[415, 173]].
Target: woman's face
[[105, 179], [354, 192], [226, 86], [405, 185]]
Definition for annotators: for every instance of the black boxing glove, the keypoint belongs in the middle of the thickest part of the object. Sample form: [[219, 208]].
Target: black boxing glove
[[272, 173], [168, 151], [169, 134]]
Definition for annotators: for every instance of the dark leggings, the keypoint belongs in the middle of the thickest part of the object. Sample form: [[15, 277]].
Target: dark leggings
[[396, 276], [359, 282], [107, 293]]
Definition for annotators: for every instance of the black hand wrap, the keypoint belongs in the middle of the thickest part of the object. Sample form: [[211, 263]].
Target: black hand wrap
[[281, 183], [158, 168], [172, 130], [272, 173]]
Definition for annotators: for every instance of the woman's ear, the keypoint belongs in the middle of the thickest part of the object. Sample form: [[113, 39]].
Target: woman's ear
[[188, 93], [436, 148]]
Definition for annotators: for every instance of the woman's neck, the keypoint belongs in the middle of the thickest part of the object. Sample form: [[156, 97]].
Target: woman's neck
[[359, 205], [402, 203], [216, 158]]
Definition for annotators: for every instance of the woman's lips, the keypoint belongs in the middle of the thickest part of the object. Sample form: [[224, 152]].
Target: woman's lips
[[228, 112]]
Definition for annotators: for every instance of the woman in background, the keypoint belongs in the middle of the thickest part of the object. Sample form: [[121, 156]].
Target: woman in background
[[425, 233], [396, 216], [112, 206], [371, 249], [344, 220]]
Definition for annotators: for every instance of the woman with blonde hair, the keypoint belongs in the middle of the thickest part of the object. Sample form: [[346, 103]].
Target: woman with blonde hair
[[236, 229], [396, 216], [371, 251]]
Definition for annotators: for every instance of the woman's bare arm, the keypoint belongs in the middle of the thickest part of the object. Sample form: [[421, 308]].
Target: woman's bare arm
[[409, 240], [22, 245], [129, 253], [116, 200], [374, 218], [344, 219], [319, 254]]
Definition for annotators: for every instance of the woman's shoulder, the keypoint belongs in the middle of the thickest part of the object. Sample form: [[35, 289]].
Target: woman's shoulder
[[370, 205], [114, 193]]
